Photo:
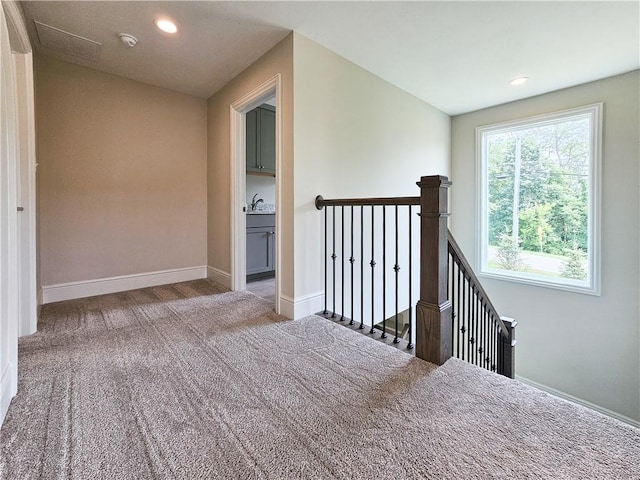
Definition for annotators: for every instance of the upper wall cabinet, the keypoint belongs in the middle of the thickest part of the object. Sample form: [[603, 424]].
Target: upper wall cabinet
[[261, 140]]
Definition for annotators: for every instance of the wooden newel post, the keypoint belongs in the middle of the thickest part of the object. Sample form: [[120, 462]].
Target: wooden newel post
[[433, 312], [508, 361]]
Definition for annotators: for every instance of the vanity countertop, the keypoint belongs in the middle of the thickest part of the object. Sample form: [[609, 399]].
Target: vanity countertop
[[261, 212]]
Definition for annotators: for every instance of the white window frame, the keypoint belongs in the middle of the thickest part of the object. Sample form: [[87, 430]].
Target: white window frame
[[590, 287]]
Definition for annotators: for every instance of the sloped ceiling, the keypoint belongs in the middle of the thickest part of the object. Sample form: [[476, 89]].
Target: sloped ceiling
[[457, 56]]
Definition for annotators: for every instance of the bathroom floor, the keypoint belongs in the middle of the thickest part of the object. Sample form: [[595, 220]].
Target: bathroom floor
[[264, 287]]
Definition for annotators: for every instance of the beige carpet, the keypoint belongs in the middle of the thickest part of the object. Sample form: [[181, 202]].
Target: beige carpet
[[189, 382]]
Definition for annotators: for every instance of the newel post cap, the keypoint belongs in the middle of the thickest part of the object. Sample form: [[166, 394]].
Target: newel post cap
[[434, 181]]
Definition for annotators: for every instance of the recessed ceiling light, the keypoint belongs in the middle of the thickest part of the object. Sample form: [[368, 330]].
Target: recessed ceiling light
[[519, 81], [166, 25]]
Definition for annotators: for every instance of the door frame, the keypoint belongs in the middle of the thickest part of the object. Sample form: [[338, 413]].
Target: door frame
[[237, 110], [27, 165]]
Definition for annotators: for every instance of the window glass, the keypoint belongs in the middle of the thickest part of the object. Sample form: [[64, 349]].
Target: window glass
[[538, 198]]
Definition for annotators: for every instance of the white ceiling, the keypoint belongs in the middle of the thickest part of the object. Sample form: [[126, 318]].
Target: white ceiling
[[457, 56]]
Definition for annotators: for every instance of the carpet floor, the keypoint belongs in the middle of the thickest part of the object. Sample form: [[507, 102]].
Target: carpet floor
[[188, 381]]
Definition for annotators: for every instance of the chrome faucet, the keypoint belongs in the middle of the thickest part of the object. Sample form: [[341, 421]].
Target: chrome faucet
[[254, 202]]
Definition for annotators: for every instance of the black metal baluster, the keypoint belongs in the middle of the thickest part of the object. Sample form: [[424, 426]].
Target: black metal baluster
[[324, 312], [469, 321], [483, 334], [475, 326], [410, 344], [477, 322], [362, 267], [454, 312], [333, 257], [448, 276], [488, 354], [373, 265], [498, 340], [483, 339], [500, 352], [396, 268], [459, 314], [351, 261], [494, 336], [470, 337], [487, 358], [473, 333], [384, 272], [342, 262], [463, 317]]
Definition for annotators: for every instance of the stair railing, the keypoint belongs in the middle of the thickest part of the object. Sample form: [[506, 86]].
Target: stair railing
[[453, 316], [356, 253], [480, 335]]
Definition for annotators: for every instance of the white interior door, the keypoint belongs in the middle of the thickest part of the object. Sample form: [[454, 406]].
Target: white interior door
[[26, 195], [8, 224]]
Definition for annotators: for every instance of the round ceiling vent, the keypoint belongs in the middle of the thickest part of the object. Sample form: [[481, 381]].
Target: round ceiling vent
[[128, 40]]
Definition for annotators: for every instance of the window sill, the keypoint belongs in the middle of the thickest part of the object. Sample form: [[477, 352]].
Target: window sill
[[537, 281]]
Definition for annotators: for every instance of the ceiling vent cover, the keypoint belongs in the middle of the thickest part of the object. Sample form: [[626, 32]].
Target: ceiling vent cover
[[68, 43]]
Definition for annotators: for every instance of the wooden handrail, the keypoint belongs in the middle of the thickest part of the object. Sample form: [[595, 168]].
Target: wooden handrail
[[470, 275], [357, 202]]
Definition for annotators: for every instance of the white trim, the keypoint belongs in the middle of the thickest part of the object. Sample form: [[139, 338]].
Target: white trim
[[9, 277], [219, 276], [27, 196], [579, 401], [17, 26], [8, 383], [101, 286], [302, 306], [238, 199], [539, 281], [237, 127], [593, 285]]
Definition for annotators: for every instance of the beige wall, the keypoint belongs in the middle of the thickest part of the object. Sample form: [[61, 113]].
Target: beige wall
[[122, 175], [356, 135], [581, 345], [337, 119], [278, 60]]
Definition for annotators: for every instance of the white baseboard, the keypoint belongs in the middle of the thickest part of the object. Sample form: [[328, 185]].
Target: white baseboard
[[101, 286], [8, 384], [579, 401], [302, 306], [218, 276]]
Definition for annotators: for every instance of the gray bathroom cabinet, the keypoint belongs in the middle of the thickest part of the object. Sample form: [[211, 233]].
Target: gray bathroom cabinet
[[261, 140], [261, 245]]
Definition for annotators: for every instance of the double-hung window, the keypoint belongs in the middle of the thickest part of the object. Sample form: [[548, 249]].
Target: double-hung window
[[539, 197]]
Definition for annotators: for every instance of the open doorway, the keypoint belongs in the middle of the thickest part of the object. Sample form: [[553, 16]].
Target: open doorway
[[260, 161], [256, 255]]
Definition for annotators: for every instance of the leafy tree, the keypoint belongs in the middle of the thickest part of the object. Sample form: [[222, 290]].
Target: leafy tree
[[553, 190], [501, 173], [535, 230]]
